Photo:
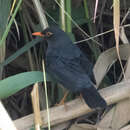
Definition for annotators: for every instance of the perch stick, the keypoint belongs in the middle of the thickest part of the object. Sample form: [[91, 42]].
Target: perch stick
[[77, 107]]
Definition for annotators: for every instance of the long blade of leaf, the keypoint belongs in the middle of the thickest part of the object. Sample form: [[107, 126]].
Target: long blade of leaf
[[20, 51], [13, 84], [116, 15], [96, 4], [10, 23]]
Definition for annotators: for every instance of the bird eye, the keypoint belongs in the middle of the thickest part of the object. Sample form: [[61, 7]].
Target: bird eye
[[48, 34]]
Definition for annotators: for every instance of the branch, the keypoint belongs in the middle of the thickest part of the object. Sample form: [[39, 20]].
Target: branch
[[77, 107]]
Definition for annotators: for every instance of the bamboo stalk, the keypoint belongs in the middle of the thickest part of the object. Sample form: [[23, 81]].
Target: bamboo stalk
[[36, 106], [93, 46], [62, 15], [68, 20], [41, 14], [31, 63], [77, 107]]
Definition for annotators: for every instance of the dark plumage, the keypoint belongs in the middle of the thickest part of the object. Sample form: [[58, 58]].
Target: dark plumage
[[70, 67]]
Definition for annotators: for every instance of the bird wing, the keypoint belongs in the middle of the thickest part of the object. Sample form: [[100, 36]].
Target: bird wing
[[69, 73], [87, 66]]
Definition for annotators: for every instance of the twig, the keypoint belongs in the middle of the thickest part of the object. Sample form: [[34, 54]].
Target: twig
[[77, 107]]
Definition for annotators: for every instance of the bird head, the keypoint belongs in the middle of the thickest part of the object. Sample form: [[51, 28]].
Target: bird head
[[45, 34], [54, 36]]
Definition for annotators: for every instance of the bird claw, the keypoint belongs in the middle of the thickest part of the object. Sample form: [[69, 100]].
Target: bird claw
[[62, 103]]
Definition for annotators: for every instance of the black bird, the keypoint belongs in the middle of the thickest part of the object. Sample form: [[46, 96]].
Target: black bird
[[70, 67]]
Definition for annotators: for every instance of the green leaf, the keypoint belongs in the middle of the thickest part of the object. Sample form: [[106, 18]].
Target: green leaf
[[4, 14], [10, 22], [78, 15], [13, 84], [20, 51]]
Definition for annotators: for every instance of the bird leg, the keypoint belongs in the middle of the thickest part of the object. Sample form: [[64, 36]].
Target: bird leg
[[62, 102], [81, 97]]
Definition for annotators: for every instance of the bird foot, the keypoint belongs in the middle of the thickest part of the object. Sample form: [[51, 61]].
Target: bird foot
[[81, 97], [62, 102]]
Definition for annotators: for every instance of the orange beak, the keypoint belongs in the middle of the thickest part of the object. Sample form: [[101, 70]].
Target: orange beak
[[38, 34]]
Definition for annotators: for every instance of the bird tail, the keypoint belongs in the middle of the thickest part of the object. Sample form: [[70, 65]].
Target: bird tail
[[92, 98]]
